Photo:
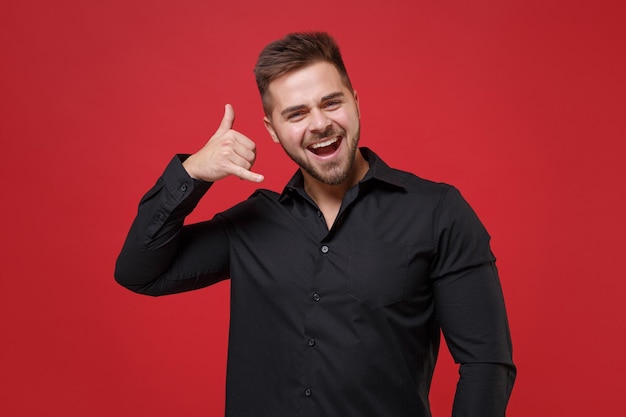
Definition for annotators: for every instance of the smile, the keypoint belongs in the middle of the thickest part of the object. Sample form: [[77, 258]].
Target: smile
[[326, 147]]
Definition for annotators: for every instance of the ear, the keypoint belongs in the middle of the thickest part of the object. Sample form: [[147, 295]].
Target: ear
[[270, 129], [356, 100]]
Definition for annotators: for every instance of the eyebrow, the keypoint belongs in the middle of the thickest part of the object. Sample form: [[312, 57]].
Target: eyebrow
[[291, 109], [333, 95]]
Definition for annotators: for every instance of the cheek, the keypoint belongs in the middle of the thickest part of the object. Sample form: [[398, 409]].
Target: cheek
[[348, 118], [292, 134]]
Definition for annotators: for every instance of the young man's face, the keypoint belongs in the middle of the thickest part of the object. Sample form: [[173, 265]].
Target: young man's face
[[315, 118]]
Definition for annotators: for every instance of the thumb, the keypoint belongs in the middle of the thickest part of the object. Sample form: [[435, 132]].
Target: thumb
[[227, 120]]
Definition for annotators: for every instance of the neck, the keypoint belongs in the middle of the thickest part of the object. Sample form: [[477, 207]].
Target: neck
[[326, 194]]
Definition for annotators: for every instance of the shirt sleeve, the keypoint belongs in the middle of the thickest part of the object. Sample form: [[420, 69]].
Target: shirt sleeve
[[161, 256], [471, 311]]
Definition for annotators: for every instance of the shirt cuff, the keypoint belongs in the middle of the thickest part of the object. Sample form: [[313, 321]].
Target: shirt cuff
[[178, 182]]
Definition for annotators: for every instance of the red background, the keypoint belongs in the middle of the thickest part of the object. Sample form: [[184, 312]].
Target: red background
[[519, 104]]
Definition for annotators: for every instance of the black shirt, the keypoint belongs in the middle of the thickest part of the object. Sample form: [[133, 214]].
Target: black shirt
[[341, 322]]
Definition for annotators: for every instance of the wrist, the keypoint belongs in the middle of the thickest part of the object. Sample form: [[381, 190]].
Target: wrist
[[190, 167]]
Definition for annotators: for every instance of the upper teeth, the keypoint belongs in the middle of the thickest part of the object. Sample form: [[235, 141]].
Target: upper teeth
[[325, 143]]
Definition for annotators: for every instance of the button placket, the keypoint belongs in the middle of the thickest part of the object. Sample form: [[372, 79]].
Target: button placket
[[311, 342]]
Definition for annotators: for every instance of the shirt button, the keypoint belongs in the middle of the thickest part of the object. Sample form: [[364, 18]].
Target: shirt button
[[324, 249], [307, 392], [183, 187], [316, 297], [319, 214], [311, 342]]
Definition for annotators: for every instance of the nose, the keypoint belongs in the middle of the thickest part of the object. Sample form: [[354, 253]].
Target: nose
[[318, 121]]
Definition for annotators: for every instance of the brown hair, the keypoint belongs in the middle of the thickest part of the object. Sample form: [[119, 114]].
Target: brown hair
[[295, 51]]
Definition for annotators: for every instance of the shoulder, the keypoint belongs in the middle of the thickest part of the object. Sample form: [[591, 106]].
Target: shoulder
[[408, 183], [261, 203], [417, 184], [446, 199], [421, 190]]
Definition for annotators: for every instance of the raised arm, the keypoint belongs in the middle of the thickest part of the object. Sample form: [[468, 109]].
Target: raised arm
[[160, 255]]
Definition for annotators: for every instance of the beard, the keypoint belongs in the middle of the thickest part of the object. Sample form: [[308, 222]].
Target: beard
[[333, 172]]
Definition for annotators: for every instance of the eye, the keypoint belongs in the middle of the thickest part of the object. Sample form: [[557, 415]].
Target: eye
[[297, 115], [332, 104]]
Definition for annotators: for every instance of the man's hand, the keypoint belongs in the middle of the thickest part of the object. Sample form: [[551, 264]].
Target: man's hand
[[228, 152]]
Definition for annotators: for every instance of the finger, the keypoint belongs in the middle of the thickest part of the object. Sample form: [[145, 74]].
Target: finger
[[240, 161], [227, 120], [246, 174], [244, 140], [245, 152]]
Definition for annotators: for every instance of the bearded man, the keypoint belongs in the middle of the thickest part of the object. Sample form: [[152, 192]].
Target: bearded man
[[341, 283]]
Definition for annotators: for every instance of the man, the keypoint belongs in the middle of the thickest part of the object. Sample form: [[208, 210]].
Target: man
[[340, 284]]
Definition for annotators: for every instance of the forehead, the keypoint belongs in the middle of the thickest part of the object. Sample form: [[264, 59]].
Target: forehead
[[306, 85]]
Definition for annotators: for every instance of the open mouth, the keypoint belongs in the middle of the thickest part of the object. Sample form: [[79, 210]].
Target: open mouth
[[326, 147]]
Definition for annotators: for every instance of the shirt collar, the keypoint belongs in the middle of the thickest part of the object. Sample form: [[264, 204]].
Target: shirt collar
[[378, 170]]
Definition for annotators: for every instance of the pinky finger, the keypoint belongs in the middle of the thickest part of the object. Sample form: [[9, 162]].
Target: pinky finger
[[247, 175]]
